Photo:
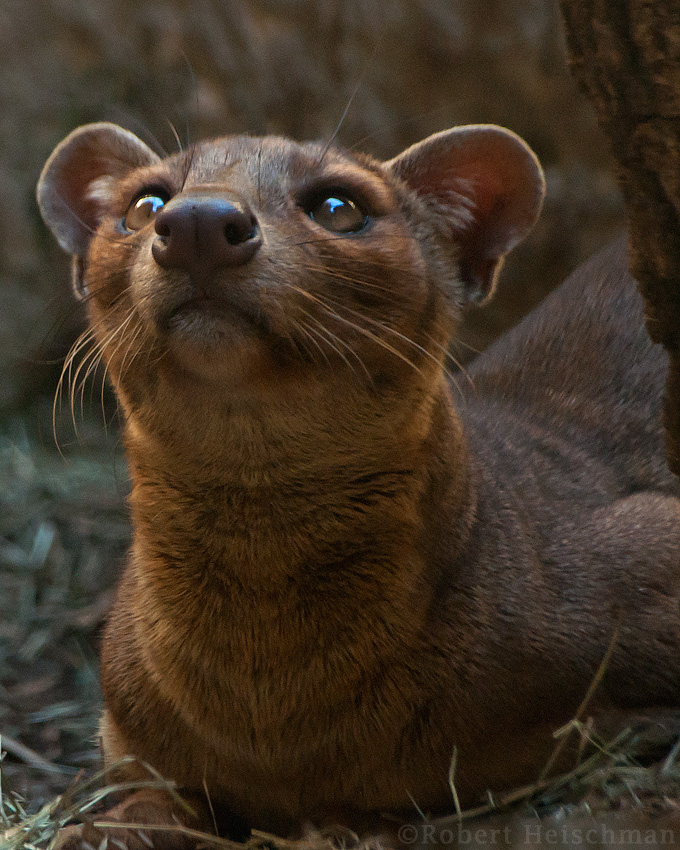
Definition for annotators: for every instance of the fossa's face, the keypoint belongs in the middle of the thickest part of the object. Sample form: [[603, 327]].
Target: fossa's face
[[248, 262], [250, 259]]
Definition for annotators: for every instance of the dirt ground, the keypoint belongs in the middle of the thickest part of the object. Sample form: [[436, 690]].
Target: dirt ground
[[63, 535]]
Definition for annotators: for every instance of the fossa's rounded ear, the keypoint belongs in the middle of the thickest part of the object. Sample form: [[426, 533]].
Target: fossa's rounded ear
[[76, 180], [487, 186]]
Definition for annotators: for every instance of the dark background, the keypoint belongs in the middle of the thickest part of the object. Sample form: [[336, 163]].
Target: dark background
[[284, 66]]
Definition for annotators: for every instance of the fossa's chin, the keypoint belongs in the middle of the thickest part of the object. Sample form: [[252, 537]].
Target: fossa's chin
[[231, 361], [211, 353]]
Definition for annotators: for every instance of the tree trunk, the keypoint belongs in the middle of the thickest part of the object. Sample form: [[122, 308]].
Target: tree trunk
[[626, 56]]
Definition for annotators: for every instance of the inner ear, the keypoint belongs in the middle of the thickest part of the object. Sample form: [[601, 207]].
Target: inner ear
[[486, 187], [77, 180]]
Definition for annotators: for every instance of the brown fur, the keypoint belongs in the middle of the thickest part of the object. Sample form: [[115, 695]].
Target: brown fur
[[343, 567]]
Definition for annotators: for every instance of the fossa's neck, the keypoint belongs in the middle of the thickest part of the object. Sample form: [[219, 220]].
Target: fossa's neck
[[264, 494]]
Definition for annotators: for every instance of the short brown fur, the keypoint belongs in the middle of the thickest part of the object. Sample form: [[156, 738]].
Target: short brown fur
[[343, 566]]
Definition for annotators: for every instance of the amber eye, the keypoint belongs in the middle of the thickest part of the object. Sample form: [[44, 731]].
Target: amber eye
[[142, 211], [338, 214]]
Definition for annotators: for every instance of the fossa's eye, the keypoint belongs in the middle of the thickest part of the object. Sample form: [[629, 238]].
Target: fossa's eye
[[338, 213], [143, 210]]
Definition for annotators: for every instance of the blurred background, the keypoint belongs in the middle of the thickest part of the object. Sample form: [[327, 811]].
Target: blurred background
[[209, 67]]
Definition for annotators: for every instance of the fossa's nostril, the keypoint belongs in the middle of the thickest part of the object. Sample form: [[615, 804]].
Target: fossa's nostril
[[233, 234], [240, 229]]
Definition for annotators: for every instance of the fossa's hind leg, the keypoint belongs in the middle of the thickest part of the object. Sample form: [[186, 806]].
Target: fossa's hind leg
[[633, 572]]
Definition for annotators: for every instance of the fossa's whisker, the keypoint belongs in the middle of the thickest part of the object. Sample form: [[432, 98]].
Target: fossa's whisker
[[322, 329]]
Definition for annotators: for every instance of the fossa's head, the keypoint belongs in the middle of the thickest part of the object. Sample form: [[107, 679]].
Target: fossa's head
[[245, 263]]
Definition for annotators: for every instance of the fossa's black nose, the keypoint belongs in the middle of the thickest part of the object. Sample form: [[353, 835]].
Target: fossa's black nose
[[201, 233]]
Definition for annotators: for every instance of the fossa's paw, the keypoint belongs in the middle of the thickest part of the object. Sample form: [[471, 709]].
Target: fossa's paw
[[87, 837], [144, 821], [69, 838]]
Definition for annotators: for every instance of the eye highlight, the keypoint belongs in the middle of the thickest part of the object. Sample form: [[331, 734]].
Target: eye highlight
[[143, 210], [337, 213]]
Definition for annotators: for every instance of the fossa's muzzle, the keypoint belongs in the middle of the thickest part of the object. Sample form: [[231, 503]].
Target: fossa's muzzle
[[200, 232]]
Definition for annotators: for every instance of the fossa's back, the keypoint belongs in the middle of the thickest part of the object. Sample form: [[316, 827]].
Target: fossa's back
[[580, 511]]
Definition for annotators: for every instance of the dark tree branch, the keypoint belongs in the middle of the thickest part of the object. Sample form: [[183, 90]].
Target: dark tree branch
[[626, 56]]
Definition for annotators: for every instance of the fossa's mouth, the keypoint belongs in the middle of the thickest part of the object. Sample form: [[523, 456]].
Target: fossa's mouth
[[211, 320]]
